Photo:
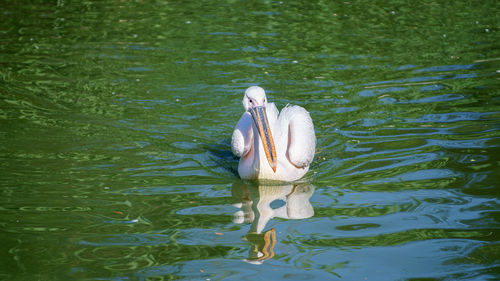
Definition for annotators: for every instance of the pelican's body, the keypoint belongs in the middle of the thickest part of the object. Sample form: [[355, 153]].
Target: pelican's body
[[272, 145]]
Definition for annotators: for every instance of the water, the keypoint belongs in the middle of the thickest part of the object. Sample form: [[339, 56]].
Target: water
[[116, 119]]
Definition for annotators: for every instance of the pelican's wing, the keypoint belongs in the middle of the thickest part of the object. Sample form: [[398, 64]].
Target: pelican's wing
[[241, 141], [301, 138]]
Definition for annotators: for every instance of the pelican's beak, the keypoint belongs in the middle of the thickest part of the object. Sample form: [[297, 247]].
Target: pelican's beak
[[260, 119]]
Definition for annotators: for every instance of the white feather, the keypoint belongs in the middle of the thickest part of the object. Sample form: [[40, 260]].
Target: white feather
[[301, 138], [241, 141]]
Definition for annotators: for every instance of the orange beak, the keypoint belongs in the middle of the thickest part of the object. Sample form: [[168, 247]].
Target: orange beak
[[259, 117]]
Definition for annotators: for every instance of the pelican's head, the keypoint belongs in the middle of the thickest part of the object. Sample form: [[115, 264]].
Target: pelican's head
[[255, 102], [254, 96]]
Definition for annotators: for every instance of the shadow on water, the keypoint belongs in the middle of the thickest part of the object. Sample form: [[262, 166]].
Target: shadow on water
[[221, 154], [259, 204]]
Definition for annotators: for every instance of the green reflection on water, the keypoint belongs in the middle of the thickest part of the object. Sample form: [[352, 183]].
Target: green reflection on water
[[115, 120]]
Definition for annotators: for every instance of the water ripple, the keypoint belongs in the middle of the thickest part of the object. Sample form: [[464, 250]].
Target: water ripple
[[116, 119]]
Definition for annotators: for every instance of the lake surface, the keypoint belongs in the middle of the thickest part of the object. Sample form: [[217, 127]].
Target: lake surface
[[116, 118]]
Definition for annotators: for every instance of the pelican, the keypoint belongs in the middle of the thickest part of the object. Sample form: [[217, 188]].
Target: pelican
[[272, 146]]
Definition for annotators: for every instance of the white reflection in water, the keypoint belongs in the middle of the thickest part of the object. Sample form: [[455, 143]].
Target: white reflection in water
[[260, 204]]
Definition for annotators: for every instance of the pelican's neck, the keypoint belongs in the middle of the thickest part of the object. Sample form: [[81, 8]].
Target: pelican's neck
[[259, 154], [260, 163]]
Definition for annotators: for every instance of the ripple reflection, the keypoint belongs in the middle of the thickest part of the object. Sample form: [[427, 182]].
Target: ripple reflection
[[260, 204]]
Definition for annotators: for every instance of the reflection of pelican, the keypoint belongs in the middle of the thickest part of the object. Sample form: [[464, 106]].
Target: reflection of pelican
[[287, 141], [259, 204]]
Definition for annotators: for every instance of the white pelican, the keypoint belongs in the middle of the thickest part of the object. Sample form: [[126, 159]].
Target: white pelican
[[270, 146]]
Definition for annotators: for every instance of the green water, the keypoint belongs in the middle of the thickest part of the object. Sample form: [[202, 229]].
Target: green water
[[115, 125]]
